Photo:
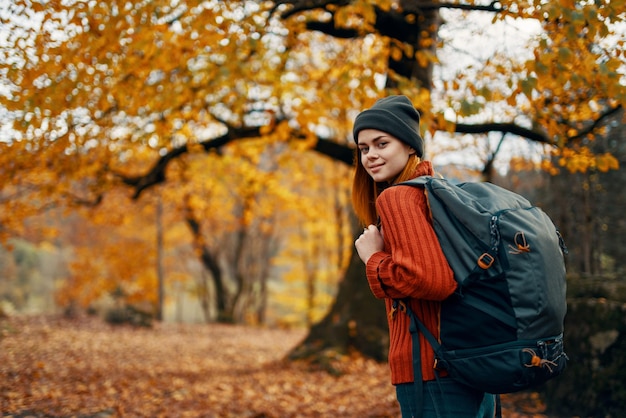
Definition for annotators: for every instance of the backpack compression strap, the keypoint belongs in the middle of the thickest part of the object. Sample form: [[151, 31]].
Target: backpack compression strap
[[416, 326]]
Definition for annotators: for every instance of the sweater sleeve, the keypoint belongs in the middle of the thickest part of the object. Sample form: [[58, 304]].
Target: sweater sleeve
[[412, 263]]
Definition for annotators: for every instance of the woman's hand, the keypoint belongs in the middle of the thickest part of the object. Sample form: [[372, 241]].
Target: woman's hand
[[369, 242]]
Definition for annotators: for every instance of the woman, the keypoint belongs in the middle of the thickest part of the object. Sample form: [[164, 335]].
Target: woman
[[403, 258]]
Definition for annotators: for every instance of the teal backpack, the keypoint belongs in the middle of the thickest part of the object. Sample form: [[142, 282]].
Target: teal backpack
[[502, 329]]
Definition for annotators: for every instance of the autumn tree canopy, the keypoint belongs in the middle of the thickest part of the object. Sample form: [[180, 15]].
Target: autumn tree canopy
[[224, 100]]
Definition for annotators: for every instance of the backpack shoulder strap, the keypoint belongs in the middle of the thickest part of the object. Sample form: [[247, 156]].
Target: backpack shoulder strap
[[416, 326], [417, 181]]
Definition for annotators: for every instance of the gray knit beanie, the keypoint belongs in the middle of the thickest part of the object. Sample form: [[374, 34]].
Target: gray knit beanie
[[396, 116]]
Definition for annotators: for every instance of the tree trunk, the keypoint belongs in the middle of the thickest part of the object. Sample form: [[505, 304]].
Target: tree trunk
[[209, 261], [159, 258], [595, 341], [356, 321]]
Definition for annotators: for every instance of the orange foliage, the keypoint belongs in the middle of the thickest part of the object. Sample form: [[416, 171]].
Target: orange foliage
[[574, 78], [102, 90]]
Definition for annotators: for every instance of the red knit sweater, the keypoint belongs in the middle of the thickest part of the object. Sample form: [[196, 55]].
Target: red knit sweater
[[412, 265]]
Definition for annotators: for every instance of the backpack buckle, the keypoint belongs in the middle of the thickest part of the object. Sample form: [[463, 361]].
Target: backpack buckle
[[397, 305], [485, 261], [440, 365]]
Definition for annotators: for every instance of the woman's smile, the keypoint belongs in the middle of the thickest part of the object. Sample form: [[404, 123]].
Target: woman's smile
[[382, 155]]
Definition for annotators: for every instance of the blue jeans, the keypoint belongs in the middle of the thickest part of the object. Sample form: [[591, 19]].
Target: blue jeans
[[444, 398]]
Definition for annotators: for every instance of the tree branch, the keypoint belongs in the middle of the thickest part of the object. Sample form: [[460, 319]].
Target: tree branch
[[156, 174], [334, 150], [505, 128], [329, 28], [339, 152], [609, 112], [417, 7], [299, 6], [325, 146], [408, 7]]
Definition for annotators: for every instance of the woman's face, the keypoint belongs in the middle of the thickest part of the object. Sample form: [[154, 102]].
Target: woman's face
[[383, 156]]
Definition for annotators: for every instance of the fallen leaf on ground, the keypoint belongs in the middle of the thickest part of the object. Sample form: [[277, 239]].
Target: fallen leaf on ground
[[55, 367]]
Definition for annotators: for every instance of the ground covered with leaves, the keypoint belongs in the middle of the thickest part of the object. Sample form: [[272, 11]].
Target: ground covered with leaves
[[53, 367]]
